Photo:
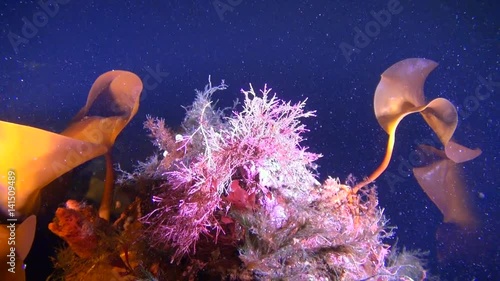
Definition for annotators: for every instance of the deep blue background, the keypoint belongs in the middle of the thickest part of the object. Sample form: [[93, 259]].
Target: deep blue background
[[294, 46]]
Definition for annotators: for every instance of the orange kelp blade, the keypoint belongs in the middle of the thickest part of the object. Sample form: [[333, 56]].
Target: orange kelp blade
[[443, 182], [31, 159], [36, 157], [400, 93], [116, 95]]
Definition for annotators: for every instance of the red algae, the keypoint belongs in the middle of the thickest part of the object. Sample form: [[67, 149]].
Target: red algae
[[76, 225], [235, 196]]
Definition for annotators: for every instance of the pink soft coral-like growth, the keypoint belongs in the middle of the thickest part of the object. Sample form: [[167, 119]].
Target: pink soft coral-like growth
[[262, 139]]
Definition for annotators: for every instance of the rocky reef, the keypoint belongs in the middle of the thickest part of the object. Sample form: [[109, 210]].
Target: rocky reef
[[233, 195]]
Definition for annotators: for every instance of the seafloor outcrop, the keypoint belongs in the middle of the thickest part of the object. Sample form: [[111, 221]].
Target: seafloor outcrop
[[233, 196]]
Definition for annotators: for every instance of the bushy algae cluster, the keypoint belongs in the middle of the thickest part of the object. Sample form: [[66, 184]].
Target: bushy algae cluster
[[233, 195]]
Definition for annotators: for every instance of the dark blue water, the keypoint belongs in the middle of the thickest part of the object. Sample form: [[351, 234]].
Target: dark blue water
[[50, 56]]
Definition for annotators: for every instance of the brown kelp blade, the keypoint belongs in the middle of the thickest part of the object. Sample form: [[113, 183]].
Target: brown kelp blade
[[114, 96], [117, 94], [400, 93], [459, 153], [36, 157], [443, 182]]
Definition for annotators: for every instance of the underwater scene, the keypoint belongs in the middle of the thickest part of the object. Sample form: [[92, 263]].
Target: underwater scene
[[249, 140]]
